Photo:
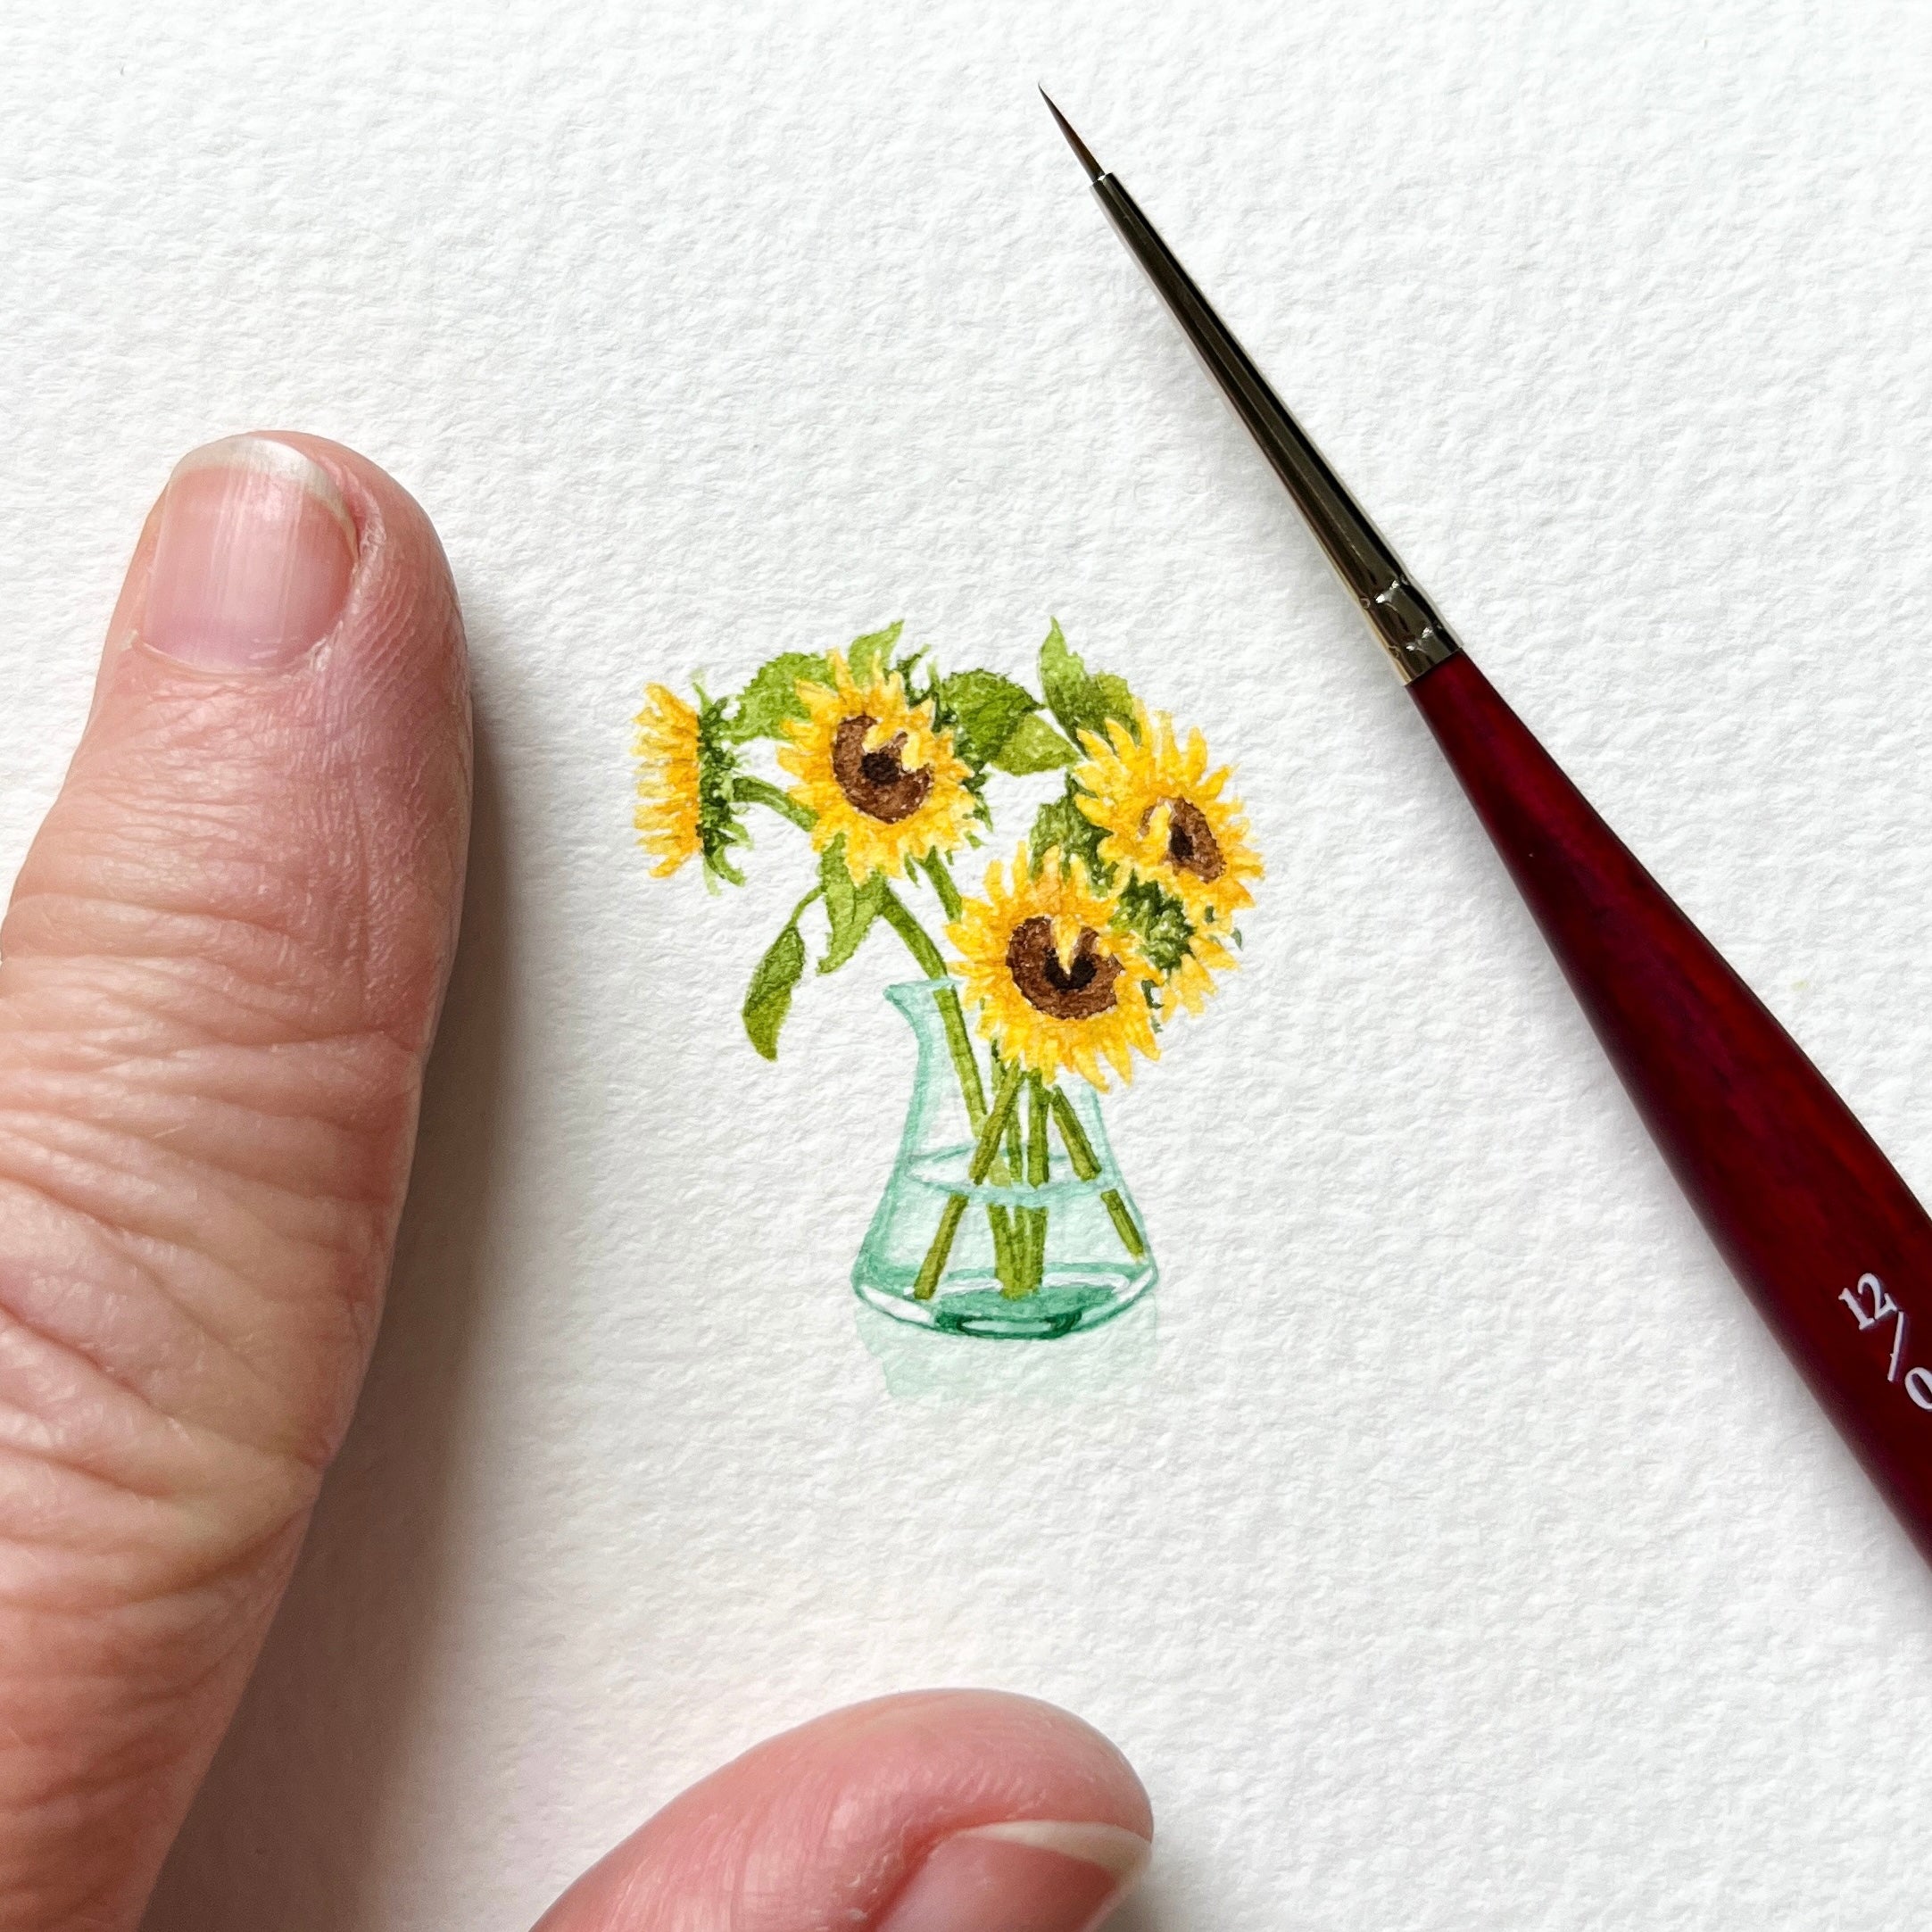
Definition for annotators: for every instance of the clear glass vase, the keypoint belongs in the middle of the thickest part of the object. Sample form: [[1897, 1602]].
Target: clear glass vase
[[1011, 1222]]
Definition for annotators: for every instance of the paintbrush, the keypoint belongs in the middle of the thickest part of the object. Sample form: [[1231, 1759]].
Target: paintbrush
[[1812, 1217]]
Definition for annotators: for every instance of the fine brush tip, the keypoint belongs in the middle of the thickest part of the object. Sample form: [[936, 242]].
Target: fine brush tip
[[1093, 168]]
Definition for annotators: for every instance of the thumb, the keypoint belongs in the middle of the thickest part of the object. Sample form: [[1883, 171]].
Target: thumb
[[936, 1811], [219, 977]]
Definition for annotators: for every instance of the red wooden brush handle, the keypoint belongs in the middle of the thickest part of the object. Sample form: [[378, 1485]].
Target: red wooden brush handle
[[1809, 1214]]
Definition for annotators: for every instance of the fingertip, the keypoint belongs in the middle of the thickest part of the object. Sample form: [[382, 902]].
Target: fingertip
[[970, 1811], [370, 565], [403, 585]]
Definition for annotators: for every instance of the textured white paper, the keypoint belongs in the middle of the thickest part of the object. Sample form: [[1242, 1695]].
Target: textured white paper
[[1447, 1542]]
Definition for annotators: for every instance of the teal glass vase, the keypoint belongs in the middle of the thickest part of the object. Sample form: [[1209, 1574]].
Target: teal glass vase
[[1005, 1215]]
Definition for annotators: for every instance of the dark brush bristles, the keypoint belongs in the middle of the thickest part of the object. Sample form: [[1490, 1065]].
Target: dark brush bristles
[[1093, 168]]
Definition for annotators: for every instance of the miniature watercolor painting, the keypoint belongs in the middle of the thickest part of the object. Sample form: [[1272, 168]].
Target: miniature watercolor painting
[[1005, 1215]]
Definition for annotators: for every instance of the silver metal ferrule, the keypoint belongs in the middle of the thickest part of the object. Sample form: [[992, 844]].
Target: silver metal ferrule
[[1410, 630]]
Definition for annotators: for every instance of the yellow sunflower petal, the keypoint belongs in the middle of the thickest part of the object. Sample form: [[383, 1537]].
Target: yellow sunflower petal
[[666, 748], [1165, 816], [876, 769], [1054, 985]]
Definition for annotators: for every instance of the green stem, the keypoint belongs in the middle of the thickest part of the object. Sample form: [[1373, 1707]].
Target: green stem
[[748, 790], [1079, 1148], [1130, 1237], [988, 1144], [1087, 1165], [952, 1015], [797, 911], [1036, 1131], [941, 874], [1005, 1244], [1010, 1169], [1008, 1225], [934, 1263], [918, 940], [934, 1266], [1035, 1218]]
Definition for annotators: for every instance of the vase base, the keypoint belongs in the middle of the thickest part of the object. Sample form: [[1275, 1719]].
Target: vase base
[[970, 1305]]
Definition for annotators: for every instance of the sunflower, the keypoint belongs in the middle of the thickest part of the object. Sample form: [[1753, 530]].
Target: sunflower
[[685, 807], [877, 769], [1056, 983], [1161, 815]]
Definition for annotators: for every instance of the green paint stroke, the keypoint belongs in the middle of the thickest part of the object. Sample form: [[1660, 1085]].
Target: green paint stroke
[[952, 1015], [1036, 1177], [1087, 1165], [984, 1149]]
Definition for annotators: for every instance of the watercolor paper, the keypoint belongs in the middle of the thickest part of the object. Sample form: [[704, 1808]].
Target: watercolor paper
[[1444, 1537]]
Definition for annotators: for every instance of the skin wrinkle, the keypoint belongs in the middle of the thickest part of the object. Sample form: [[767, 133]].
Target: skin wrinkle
[[50, 1443], [159, 1289], [210, 942], [219, 954], [29, 1044], [162, 1553], [257, 991], [175, 992], [49, 1463], [209, 1609], [157, 1263], [203, 951], [92, 1785], [49, 1458], [128, 1616], [307, 1440], [117, 1621], [172, 1210], [240, 1136], [45, 1511], [189, 857], [335, 1054], [197, 1436]]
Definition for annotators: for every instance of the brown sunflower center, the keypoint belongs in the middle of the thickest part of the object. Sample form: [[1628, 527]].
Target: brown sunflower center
[[876, 781], [1191, 844], [1076, 991]]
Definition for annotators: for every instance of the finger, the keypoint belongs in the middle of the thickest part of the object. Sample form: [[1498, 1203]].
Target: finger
[[937, 1811], [219, 977]]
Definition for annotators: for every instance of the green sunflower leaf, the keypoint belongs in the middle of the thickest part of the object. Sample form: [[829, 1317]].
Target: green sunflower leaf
[[772, 696], [1081, 700], [1158, 920], [720, 828], [985, 710], [1032, 745], [1060, 825], [768, 998], [867, 655], [849, 909]]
